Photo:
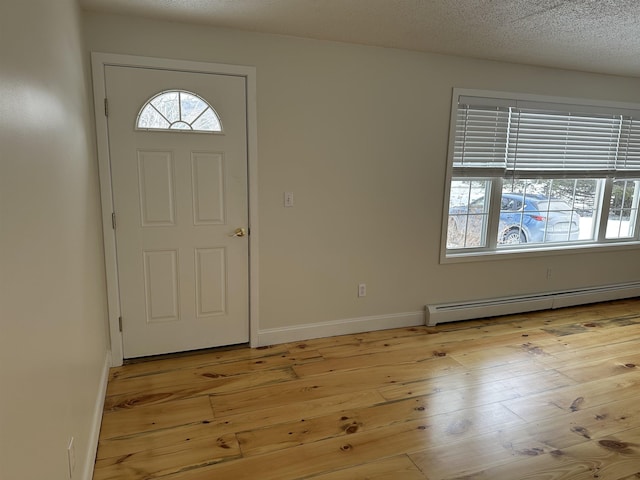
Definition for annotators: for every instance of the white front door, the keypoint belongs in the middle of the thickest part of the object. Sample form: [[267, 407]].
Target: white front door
[[179, 195]]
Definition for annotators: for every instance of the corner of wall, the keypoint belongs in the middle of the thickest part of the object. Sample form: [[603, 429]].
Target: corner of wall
[[96, 421]]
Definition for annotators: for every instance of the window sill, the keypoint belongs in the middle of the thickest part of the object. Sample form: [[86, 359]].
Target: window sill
[[532, 252]]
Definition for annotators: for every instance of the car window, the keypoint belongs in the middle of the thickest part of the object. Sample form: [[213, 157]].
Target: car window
[[510, 204], [554, 206]]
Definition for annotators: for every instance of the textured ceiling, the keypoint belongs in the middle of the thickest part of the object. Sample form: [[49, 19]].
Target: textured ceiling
[[590, 35]]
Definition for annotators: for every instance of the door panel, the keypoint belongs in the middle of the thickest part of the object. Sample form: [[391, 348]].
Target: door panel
[[178, 198], [161, 286], [155, 184], [211, 281], [208, 188]]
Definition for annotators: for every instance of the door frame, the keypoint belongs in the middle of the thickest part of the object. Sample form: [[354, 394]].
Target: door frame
[[98, 63]]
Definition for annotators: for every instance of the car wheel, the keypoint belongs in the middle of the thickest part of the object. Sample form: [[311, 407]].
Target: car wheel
[[513, 236]]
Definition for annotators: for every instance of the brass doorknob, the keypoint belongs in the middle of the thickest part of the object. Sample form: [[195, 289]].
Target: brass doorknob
[[240, 232]]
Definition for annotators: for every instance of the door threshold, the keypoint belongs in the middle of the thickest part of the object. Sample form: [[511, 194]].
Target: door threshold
[[189, 353]]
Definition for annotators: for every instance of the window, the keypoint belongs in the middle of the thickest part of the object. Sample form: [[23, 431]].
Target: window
[[530, 173], [178, 110]]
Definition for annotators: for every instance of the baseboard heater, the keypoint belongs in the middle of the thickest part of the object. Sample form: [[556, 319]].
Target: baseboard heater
[[452, 312]]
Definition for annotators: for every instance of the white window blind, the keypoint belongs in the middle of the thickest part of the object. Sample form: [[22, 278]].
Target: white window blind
[[628, 161], [502, 137], [543, 140], [480, 143]]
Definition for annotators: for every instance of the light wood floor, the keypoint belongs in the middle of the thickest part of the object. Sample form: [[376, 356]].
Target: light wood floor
[[549, 395]]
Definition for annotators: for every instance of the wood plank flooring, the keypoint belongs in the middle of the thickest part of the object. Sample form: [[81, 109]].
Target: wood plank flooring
[[548, 396]]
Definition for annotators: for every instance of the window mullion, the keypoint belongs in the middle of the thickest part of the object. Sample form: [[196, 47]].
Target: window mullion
[[605, 205], [493, 223], [634, 210]]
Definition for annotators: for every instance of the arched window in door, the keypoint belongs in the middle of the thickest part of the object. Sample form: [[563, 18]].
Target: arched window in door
[[178, 110]]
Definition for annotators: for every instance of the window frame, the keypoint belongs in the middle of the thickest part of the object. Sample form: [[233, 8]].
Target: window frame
[[179, 92], [490, 250]]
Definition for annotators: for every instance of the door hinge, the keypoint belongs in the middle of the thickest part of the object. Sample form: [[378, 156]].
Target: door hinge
[[113, 220], [106, 107], [120, 323]]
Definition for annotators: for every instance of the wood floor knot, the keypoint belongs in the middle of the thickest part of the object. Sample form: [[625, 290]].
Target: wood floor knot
[[616, 446]]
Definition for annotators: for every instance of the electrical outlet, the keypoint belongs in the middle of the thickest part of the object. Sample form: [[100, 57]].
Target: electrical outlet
[[288, 199], [548, 273], [71, 456], [362, 290]]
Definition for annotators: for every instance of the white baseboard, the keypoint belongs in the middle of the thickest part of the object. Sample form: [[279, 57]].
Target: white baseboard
[[94, 434], [272, 336]]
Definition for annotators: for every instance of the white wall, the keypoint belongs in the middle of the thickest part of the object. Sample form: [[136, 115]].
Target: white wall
[[53, 340], [359, 134]]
